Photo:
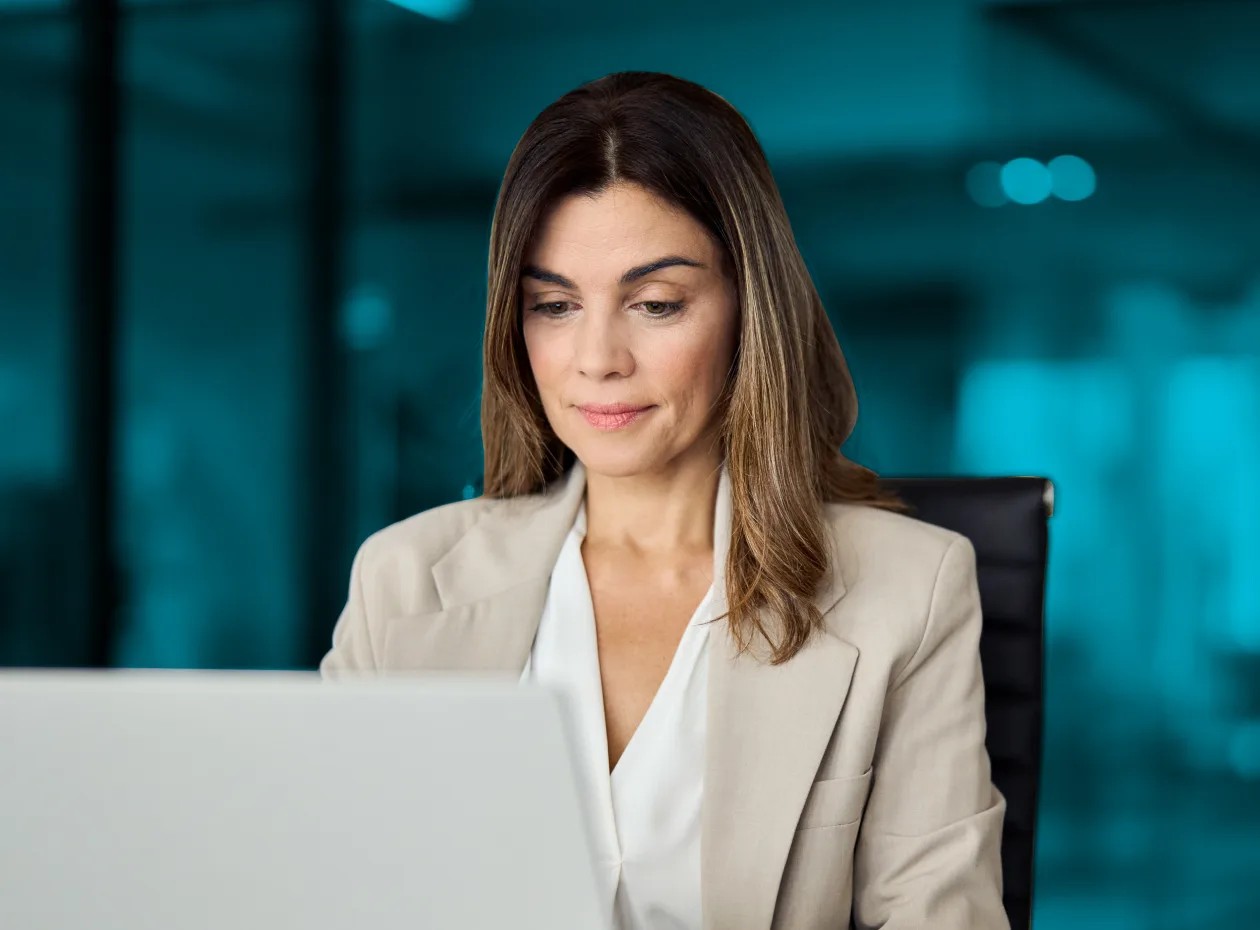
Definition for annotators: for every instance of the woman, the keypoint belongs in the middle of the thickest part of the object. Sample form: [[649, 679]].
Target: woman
[[778, 676]]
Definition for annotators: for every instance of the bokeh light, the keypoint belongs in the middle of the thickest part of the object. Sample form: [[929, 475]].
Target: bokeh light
[[984, 184], [1072, 177], [1026, 180], [367, 318], [436, 9]]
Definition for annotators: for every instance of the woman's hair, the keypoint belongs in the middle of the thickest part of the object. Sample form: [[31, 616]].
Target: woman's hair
[[789, 401]]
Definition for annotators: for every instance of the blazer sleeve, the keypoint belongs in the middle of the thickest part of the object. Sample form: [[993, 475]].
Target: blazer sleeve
[[928, 854], [352, 639]]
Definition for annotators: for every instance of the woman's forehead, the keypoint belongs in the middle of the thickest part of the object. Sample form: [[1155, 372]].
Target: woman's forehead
[[617, 232]]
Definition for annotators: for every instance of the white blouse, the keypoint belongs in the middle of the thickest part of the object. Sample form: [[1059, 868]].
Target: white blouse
[[646, 814]]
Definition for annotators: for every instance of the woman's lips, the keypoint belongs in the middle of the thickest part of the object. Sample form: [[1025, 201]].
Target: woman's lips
[[612, 416]]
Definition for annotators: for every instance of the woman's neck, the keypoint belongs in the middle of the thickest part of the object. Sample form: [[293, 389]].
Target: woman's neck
[[670, 510]]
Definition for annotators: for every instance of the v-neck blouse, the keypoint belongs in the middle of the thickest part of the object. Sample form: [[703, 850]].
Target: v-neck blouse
[[646, 813]]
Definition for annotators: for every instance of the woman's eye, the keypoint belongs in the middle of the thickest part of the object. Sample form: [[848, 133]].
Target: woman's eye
[[661, 307], [550, 308], [653, 308]]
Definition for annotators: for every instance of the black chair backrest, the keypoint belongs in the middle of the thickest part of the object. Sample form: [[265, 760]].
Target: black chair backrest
[[1005, 519]]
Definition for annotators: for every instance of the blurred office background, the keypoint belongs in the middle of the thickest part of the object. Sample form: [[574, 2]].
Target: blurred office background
[[242, 264]]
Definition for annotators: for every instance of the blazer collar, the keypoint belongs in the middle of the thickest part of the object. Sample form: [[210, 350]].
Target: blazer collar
[[516, 541]]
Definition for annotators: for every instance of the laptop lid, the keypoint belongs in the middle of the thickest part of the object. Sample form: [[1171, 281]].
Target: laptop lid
[[199, 800]]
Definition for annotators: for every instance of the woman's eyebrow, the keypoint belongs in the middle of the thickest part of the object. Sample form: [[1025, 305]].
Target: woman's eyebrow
[[634, 274], [669, 261], [546, 277]]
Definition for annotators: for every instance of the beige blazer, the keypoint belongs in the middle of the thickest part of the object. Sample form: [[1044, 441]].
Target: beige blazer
[[849, 782]]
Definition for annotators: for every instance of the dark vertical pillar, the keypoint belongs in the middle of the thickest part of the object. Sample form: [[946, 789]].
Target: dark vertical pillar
[[326, 558], [95, 331]]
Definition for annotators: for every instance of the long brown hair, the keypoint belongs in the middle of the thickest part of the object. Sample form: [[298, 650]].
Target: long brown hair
[[790, 401]]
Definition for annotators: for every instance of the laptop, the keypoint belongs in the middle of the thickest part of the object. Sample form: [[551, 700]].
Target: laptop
[[270, 801]]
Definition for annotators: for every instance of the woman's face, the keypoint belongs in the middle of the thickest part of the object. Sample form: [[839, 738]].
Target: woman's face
[[630, 326]]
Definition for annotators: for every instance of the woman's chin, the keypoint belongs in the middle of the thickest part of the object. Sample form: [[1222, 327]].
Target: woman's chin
[[618, 463]]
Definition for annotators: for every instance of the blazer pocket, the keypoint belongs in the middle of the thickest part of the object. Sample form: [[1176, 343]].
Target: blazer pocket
[[835, 801]]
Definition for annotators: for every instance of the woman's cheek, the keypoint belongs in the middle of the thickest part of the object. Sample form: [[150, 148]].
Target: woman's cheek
[[544, 358]]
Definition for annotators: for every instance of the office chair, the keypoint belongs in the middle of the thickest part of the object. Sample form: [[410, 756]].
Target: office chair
[[1005, 519]]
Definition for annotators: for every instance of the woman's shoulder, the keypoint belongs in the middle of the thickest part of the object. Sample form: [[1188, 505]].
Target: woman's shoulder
[[894, 557], [887, 533], [427, 536]]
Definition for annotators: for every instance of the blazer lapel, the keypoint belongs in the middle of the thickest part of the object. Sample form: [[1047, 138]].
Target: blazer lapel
[[493, 634], [492, 585], [768, 728]]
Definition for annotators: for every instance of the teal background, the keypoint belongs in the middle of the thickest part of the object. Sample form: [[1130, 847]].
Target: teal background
[[1111, 343]]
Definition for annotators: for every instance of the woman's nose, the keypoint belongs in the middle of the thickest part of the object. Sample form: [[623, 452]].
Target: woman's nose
[[603, 348]]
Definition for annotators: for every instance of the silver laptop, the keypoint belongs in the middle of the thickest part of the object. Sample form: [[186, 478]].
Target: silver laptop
[[234, 801]]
